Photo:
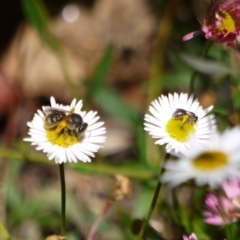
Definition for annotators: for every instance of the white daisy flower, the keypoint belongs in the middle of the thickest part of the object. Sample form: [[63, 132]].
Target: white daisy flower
[[211, 165], [66, 133], [175, 119]]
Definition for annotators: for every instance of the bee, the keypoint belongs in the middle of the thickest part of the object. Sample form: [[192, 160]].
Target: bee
[[64, 121], [185, 116]]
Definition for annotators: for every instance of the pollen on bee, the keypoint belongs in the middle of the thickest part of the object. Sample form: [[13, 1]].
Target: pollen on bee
[[185, 119], [61, 126], [62, 136], [72, 110]]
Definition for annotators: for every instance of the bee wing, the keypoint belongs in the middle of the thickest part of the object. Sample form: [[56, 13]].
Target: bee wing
[[190, 113], [49, 110]]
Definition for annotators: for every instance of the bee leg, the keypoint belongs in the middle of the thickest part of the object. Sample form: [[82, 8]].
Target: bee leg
[[76, 135], [66, 135], [184, 120], [83, 128], [73, 134]]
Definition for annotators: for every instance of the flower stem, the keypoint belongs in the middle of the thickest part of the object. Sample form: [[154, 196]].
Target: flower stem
[[229, 232], [154, 201], [63, 198], [208, 45]]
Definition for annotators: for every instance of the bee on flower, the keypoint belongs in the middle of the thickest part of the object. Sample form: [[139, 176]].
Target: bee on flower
[[177, 118], [66, 133]]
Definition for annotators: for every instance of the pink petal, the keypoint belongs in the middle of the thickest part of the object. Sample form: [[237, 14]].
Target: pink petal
[[191, 35]]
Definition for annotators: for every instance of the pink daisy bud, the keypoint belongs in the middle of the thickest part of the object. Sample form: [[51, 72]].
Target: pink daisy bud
[[222, 22]]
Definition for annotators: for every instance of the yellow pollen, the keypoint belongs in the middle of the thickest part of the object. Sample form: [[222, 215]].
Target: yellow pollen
[[72, 110], [238, 199], [209, 161], [180, 128], [228, 22], [62, 136]]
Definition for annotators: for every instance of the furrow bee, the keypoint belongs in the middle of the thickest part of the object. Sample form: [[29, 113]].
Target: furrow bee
[[64, 121], [185, 116]]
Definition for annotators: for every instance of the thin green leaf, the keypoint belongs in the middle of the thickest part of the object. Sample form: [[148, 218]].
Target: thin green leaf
[[236, 101], [181, 213], [199, 228], [35, 13], [113, 105], [129, 170], [220, 110], [101, 71], [152, 234], [134, 170], [206, 66], [149, 234]]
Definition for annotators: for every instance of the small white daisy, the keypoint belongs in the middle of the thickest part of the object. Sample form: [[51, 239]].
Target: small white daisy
[[66, 133], [177, 118], [211, 165]]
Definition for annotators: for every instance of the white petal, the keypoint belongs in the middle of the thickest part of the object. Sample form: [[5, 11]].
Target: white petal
[[161, 111], [82, 150]]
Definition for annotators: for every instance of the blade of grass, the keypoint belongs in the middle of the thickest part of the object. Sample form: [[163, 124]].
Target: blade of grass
[[35, 14], [99, 77], [130, 170], [113, 105]]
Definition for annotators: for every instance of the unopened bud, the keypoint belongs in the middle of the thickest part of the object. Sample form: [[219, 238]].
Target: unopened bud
[[56, 237], [123, 187]]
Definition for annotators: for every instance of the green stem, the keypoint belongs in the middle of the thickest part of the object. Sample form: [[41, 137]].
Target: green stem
[[228, 233], [208, 45], [153, 203], [63, 197]]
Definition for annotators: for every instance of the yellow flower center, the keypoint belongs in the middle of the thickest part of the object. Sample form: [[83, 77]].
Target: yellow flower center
[[228, 22], [211, 160], [180, 128], [62, 136]]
